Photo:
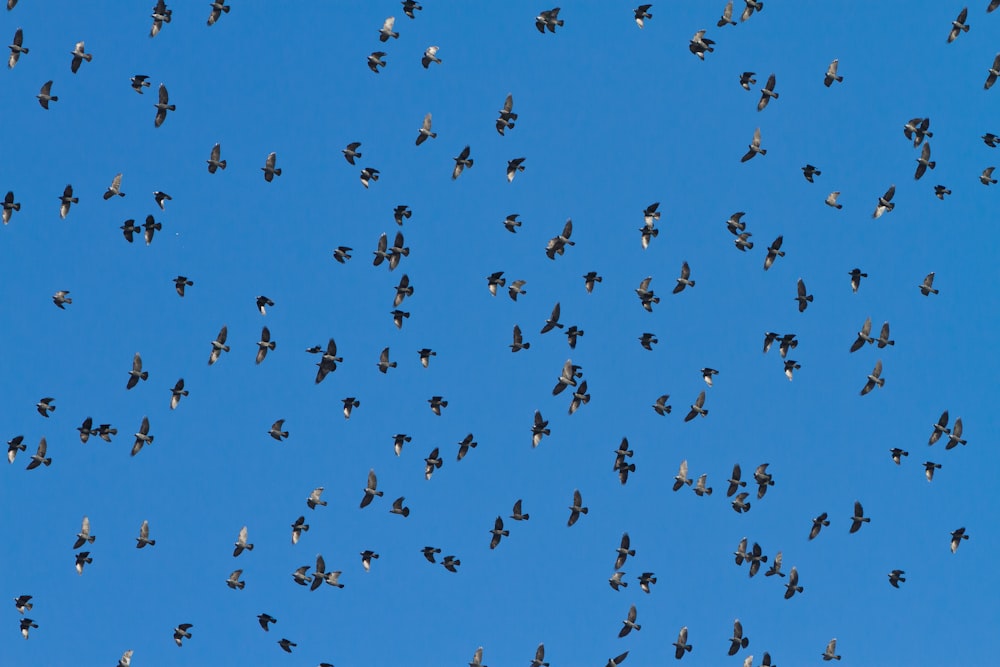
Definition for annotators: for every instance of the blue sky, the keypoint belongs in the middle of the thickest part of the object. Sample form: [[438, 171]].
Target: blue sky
[[611, 119]]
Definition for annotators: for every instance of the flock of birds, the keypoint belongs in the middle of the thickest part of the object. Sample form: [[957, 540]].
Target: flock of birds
[[570, 378]]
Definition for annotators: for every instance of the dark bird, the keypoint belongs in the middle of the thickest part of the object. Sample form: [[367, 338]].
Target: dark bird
[[775, 568], [136, 373], [464, 445], [697, 408], [792, 587], [831, 648], [375, 60], [163, 106], [589, 279], [433, 461], [803, 298], [27, 623], [495, 280], [430, 56], [790, 367], [754, 147], [517, 514], [864, 336], [401, 211], [218, 8], [897, 453], [371, 489], [991, 140], [647, 340], [994, 72], [700, 489], [497, 533], [65, 201], [734, 481], [300, 577], [139, 82], [700, 44], [514, 166], [576, 509], [286, 644], [366, 559], [856, 276], [9, 206], [176, 393], [403, 290], [351, 151], [397, 504], [645, 580], [895, 577], [86, 430], [264, 344], [681, 645], [160, 197], [750, 8], [817, 525], [451, 563], [398, 440], [507, 116], [115, 187], [874, 378], [766, 93], [150, 227], [425, 356], [539, 429], [940, 191], [104, 432], [958, 26], [22, 603], [142, 438], [859, 517], [557, 244], [927, 287], [763, 478], [885, 202], [160, 16], [548, 19], [436, 403], [516, 288], [429, 553], [956, 538], [681, 478], [986, 178], [44, 95], [79, 56], [553, 320], [769, 338], [746, 78], [929, 468], [518, 343], [684, 280], [883, 337], [774, 251], [629, 624], [810, 171], [461, 162], [647, 297], [44, 406], [385, 32], [831, 74], [641, 14], [264, 619], [955, 437], [743, 243], [269, 169], [661, 407], [511, 223], [129, 229], [737, 641], [567, 377], [924, 161], [219, 345], [328, 362], [181, 632], [624, 551], [342, 254], [349, 404], [298, 526], [425, 132], [276, 431], [383, 361], [409, 6], [580, 397], [16, 49], [707, 374], [740, 503], [917, 129]]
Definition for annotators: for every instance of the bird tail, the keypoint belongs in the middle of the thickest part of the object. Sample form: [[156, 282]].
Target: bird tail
[[54, 99], [809, 298], [584, 510], [704, 413], [526, 345], [144, 375], [839, 78], [222, 163], [406, 511], [88, 57], [931, 164], [763, 151], [277, 172]]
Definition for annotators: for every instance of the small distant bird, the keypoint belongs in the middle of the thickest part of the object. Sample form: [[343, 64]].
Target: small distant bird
[[790, 367], [707, 374], [895, 577], [136, 373], [351, 151], [661, 407], [737, 641], [774, 251], [27, 623], [142, 438], [553, 320], [763, 478], [924, 161], [300, 577], [647, 297], [115, 188], [160, 16], [514, 166], [734, 481], [940, 191], [409, 6], [615, 581], [624, 551], [86, 430], [163, 106], [858, 518], [629, 624], [958, 26], [385, 32], [874, 379], [810, 171], [234, 580], [518, 515], [991, 140], [700, 44], [557, 244], [79, 56], [699, 486], [44, 95], [681, 478], [9, 206], [766, 93], [181, 632], [831, 648], [371, 489], [684, 280], [139, 82], [425, 356], [775, 568], [287, 644], [383, 361], [518, 343], [917, 129], [176, 393], [740, 504], [429, 553], [143, 538], [44, 406], [436, 403], [430, 56], [548, 19], [538, 429], [885, 202], [754, 147], [129, 229], [84, 536], [424, 134], [219, 345], [511, 223], [831, 74], [349, 404], [464, 445], [375, 60], [461, 162], [298, 526], [65, 201], [645, 580], [264, 619], [986, 178], [955, 437], [269, 169], [589, 279], [398, 508], [897, 453], [507, 115], [883, 337], [22, 604], [681, 645], [497, 533], [956, 538], [831, 200], [328, 362], [160, 197], [577, 508], [315, 498], [264, 344], [927, 287], [647, 340], [580, 397], [803, 298], [150, 227], [929, 468], [342, 254], [743, 243], [792, 587], [994, 72], [750, 8], [241, 543], [746, 78], [727, 16], [400, 212], [366, 559], [432, 461], [940, 428], [16, 49], [516, 288], [641, 14], [218, 8], [451, 563], [856, 276], [697, 408]]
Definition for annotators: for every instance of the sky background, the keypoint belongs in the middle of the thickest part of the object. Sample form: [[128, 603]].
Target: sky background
[[611, 119]]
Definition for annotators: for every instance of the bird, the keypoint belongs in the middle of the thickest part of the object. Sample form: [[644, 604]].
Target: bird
[[754, 146], [300, 577], [580, 397], [264, 344], [790, 367], [507, 115], [885, 202], [787, 342], [955, 437], [385, 32], [425, 356], [766, 93], [321, 575], [45, 95], [746, 78], [707, 374], [699, 487], [589, 279], [994, 72], [641, 14], [451, 563], [792, 587], [661, 407], [700, 45], [142, 438], [432, 461], [176, 393], [136, 373], [629, 624], [130, 228], [44, 406], [315, 499], [553, 320], [219, 345], [567, 377], [424, 134], [924, 161], [430, 56], [734, 481], [65, 201], [181, 632], [497, 532], [105, 431], [681, 645], [831, 200], [548, 19], [647, 297], [917, 129], [986, 178], [681, 478], [831, 651], [803, 299], [429, 553], [927, 287], [370, 489], [874, 378], [684, 280], [349, 404], [287, 644], [538, 429], [351, 151], [751, 6], [743, 243], [940, 191], [218, 8], [810, 172], [514, 166], [263, 303], [160, 16], [150, 227], [991, 140], [84, 536], [26, 625], [9, 206], [740, 503], [16, 49], [895, 577], [516, 288], [741, 552], [897, 453], [79, 56], [511, 223], [859, 517], [645, 580], [138, 82], [342, 254], [883, 337], [269, 169], [727, 16], [115, 188], [22, 603], [461, 162], [624, 551], [375, 60], [517, 514], [956, 538], [160, 197], [737, 641], [234, 580], [763, 478], [383, 361], [697, 408], [647, 340], [264, 618], [557, 244], [775, 568], [402, 211], [856, 276], [577, 508], [831, 74], [241, 543], [403, 290], [298, 526], [817, 525], [163, 106], [774, 251], [143, 539], [518, 343], [929, 468], [958, 26], [366, 559], [86, 430], [436, 403]]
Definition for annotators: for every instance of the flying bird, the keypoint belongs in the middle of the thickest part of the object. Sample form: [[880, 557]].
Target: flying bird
[[885, 202], [956, 538], [409, 6], [746, 78], [507, 115], [181, 632], [831, 648], [79, 56], [430, 56], [44, 406], [424, 134], [16, 49], [315, 498], [856, 276], [371, 489], [831, 74], [269, 169], [803, 298], [219, 345], [874, 378], [160, 16], [681, 645], [298, 526], [737, 641], [143, 539], [700, 44], [684, 280], [955, 437], [629, 624], [754, 147], [351, 151], [176, 393], [218, 8], [810, 172], [539, 429], [139, 81], [991, 78], [958, 26], [44, 95], [766, 94], [792, 587], [514, 166], [557, 244], [576, 509], [375, 60], [461, 162], [548, 19], [142, 438], [697, 408], [831, 200], [241, 543], [497, 532], [115, 188], [929, 468], [859, 517], [136, 373], [65, 201], [163, 106], [774, 251], [385, 32], [895, 577], [518, 515], [927, 287]]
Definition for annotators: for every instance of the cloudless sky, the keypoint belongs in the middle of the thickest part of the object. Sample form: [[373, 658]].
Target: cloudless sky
[[611, 119]]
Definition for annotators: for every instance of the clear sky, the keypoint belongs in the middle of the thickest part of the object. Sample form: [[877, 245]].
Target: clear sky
[[611, 118]]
